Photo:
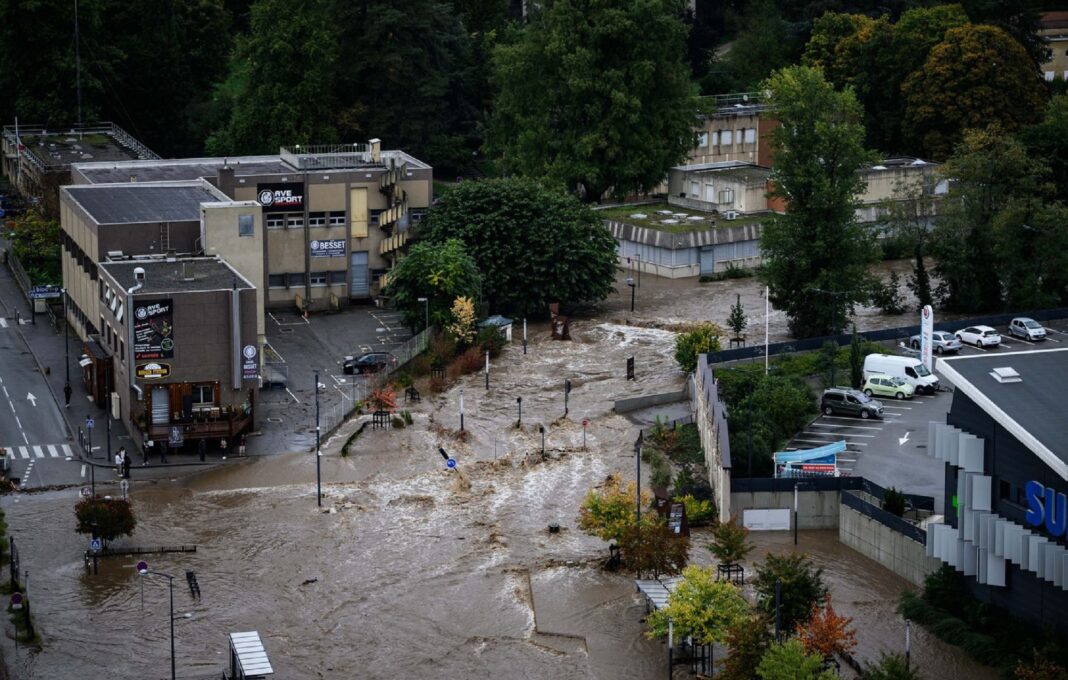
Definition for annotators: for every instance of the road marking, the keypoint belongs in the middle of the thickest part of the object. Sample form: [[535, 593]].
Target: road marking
[[24, 452], [68, 453], [5, 393], [837, 434], [25, 439], [83, 470], [38, 451], [818, 441], [901, 440], [3, 322], [32, 399], [851, 427], [898, 408], [52, 451], [853, 420], [293, 395]]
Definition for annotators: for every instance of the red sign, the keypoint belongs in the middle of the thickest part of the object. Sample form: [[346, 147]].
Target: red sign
[[817, 467]]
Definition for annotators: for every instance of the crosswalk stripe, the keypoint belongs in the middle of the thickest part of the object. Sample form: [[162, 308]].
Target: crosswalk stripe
[[67, 452], [24, 452], [38, 451], [52, 451], [3, 322]]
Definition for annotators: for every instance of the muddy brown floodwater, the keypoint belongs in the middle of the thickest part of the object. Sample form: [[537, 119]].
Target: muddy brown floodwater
[[413, 571]]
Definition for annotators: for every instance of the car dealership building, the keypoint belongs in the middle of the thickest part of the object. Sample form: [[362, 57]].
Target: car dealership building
[[1005, 449]]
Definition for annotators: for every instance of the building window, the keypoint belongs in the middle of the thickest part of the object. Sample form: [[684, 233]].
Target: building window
[[246, 225], [750, 135], [374, 217], [318, 278], [726, 196], [295, 279], [1005, 490], [317, 219], [727, 137], [336, 219], [695, 190], [118, 313], [274, 222], [203, 395], [1049, 76], [702, 139], [715, 138], [276, 281], [337, 277], [294, 221], [417, 215], [122, 350]]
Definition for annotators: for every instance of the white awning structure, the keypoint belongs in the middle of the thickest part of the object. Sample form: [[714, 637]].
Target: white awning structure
[[248, 658], [656, 591]]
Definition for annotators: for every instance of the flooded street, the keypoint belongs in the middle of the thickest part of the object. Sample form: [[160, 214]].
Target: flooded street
[[415, 571]]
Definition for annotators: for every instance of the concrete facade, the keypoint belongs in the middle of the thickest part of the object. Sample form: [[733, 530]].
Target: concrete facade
[[895, 551], [1053, 28], [815, 509]]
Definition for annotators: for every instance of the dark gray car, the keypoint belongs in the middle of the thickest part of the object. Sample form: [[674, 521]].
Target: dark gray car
[[849, 402]]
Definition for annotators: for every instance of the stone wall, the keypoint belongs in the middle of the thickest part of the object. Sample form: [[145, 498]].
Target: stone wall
[[898, 553], [711, 424], [815, 509]]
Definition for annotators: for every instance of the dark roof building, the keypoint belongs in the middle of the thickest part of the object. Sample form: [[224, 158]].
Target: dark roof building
[[141, 203], [1005, 446]]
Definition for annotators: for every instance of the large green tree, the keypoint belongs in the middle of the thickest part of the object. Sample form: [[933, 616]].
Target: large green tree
[[989, 170], [789, 661], [595, 96], [978, 75], [282, 75], [801, 588], [533, 245], [439, 272], [1030, 243], [1048, 139], [702, 606], [816, 254]]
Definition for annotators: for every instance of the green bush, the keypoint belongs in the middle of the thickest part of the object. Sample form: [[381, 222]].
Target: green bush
[[894, 502], [698, 512], [704, 338], [491, 339]]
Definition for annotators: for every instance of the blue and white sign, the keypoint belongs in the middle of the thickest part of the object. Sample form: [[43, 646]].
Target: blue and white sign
[[95, 545], [451, 463], [89, 423], [328, 248], [1046, 507], [45, 292]]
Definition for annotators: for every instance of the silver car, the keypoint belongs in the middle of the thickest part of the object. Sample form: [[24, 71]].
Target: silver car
[[941, 342], [1028, 329]]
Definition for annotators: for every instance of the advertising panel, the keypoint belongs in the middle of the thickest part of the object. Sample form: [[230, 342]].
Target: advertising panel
[[153, 330], [327, 248], [153, 371], [280, 196], [250, 368], [926, 331]]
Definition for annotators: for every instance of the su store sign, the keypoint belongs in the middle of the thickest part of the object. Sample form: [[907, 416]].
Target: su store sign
[[1046, 507]]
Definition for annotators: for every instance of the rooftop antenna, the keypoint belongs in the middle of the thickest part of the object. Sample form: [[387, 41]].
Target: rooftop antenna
[[77, 63]]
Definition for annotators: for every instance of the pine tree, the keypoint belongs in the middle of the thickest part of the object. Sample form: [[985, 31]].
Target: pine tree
[[737, 321]]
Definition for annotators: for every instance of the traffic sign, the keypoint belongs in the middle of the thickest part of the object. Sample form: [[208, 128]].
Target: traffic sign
[[585, 422], [89, 423], [16, 600], [142, 566], [95, 545], [86, 492], [451, 463], [44, 292]]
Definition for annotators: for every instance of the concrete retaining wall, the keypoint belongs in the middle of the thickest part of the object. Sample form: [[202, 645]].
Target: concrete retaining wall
[[647, 400], [898, 553], [815, 509]]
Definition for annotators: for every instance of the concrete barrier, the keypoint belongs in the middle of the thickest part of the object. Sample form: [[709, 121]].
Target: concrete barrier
[[895, 551], [647, 400], [815, 509]]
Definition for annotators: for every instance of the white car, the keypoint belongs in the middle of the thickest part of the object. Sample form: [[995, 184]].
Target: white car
[[980, 336], [1028, 329]]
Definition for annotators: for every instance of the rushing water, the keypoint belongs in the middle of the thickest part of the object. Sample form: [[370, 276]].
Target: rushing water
[[409, 570]]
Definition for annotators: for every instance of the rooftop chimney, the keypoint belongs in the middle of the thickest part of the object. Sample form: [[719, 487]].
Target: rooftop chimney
[[225, 180], [376, 150]]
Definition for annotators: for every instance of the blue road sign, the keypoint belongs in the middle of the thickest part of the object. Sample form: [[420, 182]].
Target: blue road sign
[[451, 463], [89, 423], [95, 545]]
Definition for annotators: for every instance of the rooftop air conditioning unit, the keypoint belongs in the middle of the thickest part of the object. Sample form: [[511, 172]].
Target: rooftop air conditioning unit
[[730, 215]]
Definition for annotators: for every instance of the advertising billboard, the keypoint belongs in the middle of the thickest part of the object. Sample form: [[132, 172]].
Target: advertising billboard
[[280, 196], [153, 329]]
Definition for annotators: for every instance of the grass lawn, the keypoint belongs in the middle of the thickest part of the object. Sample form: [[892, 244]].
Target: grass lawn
[[652, 220]]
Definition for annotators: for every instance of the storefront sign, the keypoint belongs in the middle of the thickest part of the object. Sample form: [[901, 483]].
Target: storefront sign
[[1046, 507], [328, 248], [153, 371], [250, 368], [282, 197], [153, 330]]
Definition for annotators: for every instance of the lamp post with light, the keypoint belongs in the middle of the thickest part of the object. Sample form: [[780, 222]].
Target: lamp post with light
[[426, 312], [142, 569]]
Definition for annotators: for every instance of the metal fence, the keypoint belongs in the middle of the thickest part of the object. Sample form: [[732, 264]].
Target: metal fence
[[902, 526], [771, 484], [898, 333]]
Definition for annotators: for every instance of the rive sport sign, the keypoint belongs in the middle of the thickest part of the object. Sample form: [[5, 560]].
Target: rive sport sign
[[281, 197], [153, 330]]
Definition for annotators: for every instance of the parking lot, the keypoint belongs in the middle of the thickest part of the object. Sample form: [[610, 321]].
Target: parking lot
[[891, 451]]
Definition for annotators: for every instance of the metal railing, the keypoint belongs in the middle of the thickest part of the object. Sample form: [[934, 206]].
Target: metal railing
[[43, 163], [887, 519], [327, 156]]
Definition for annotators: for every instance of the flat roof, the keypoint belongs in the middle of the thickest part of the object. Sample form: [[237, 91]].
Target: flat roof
[[1030, 409], [176, 275], [185, 169], [144, 202], [61, 148]]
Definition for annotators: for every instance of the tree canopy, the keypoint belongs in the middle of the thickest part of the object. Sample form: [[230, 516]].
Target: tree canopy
[[439, 272], [702, 605], [532, 245], [609, 511], [816, 255], [790, 661], [595, 95], [801, 588], [977, 76]]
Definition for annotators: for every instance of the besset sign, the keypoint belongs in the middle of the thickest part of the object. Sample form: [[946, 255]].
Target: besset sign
[[1046, 507]]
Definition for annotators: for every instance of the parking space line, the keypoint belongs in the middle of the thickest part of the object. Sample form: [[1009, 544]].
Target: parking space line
[[851, 427], [837, 434], [818, 441], [852, 420]]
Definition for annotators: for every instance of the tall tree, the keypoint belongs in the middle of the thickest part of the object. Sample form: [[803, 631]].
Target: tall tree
[[1018, 18], [766, 42], [438, 272], [533, 245], [978, 75], [1048, 140], [816, 254], [909, 216], [789, 661], [701, 604], [595, 96], [801, 587], [284, 72], [404, 80], [989, 170], [1030, 243]]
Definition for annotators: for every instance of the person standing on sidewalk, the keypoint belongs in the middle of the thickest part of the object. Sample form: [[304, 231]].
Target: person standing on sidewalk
[[66, 395], [241, 447], [202, 448], [126, 465], [118, 461], [144, 451]]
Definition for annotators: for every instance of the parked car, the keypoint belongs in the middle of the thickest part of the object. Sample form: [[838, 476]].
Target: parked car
[[850, 402], [1028, 329], [910, 369], [980, 336], [941, 342], [372, 362], [888, 386]]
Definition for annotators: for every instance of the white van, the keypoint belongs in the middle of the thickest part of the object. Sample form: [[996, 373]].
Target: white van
[[909, 369]]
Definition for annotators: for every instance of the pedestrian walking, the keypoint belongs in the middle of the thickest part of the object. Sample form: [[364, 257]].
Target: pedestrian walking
[[163, 452], [222, 447], [66, 395], [202, 448], [241, 446], [144, 451], [126, 465]]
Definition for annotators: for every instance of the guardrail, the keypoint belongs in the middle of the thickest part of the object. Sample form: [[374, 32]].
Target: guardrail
[[902, 526], [772, 484]]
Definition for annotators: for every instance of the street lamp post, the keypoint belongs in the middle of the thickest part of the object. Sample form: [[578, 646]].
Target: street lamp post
[[143, 570], [487, 369], [426, 312], [567, 391], [638, 492], [318, 455], [519, 405], [461, 409], [630, 282]]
